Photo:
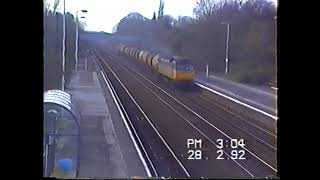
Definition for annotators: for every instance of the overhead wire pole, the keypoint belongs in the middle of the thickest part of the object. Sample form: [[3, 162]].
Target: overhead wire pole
[[63, 44], [77, 37]]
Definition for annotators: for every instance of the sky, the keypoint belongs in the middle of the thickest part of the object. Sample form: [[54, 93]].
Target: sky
[[103, 15]]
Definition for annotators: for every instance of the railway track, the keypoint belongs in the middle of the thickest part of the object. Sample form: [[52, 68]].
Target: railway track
[[164, 120]]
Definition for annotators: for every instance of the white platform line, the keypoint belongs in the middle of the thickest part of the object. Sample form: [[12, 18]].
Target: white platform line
[[237, 101], [128, 129]]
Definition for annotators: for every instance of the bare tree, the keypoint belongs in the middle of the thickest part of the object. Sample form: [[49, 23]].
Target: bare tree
[[46, 7], [252, 42], [115, 28], [52, 45], [160, 11], [167, 21], [154, 16], [55, 5], [204, 8]]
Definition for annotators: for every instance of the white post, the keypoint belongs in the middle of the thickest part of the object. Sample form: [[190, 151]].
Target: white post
[[275, 18], [207, 70], [63, 43], [77, 41], [227, 49], [86, 64], [46, 161]]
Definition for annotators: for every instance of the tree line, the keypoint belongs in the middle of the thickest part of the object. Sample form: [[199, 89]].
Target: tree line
[[52, 45], [252, 40]]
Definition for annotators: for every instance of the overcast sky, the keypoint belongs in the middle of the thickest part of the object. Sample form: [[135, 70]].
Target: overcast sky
[[102, 15]]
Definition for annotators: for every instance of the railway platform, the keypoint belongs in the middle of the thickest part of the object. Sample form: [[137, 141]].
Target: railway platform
[[263, 99], [106, 147]]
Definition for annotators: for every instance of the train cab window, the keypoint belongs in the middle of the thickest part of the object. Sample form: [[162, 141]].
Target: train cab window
[[185, 65]]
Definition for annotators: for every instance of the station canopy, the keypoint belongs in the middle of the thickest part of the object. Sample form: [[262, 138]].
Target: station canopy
[[58, 97], [61, 132]]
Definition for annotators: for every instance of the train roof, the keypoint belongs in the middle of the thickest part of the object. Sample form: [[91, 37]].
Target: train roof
[[181, 59]]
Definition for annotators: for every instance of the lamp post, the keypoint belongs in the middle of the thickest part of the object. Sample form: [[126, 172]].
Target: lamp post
[[276, 30], [77, 37], [227, 46], [63, 44], [276, 47]]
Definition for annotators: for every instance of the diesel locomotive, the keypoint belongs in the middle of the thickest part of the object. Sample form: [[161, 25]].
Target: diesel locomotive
[[175, 68]]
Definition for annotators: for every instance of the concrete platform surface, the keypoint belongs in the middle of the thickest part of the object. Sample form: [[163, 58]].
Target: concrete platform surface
[[106, 150]]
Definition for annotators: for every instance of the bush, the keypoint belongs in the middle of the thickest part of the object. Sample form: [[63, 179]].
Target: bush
[[252, 73]]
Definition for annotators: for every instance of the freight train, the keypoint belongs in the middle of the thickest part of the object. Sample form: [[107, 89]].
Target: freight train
[[177, 69]]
